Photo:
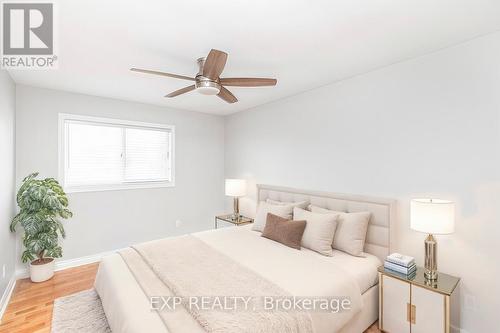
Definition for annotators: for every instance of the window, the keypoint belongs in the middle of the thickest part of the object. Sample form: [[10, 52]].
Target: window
[[106, 154]]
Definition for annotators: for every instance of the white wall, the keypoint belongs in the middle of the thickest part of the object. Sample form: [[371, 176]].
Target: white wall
[[425, 127], [7, 171], [115, 219]]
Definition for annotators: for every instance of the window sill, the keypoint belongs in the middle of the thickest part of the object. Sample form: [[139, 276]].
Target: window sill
[[117, 187]]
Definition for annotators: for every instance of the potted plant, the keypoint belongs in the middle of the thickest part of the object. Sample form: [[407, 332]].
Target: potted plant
[[42, 203]]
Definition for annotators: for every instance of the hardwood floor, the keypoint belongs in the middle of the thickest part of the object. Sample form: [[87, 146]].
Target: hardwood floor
[[30, 308], [373, 329]]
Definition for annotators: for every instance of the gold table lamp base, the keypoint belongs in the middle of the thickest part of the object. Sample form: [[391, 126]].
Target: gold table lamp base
[[236, 208], [430, 258]]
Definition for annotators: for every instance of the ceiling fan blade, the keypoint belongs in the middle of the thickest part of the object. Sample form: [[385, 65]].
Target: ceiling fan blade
[[227, 95], [214, 64], [147, 71], [248, 82], [181, 91]]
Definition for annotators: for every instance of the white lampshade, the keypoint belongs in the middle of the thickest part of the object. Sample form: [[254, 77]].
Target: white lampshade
[[432, 216], [236, 187]]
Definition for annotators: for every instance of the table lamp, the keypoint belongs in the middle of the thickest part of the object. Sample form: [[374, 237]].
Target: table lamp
[[432, 216], [236, 188]]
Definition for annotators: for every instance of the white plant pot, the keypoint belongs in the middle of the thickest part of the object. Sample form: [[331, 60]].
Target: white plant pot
[[43, 272]]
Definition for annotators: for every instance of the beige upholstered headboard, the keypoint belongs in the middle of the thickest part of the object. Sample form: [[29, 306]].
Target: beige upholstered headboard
[[380, 235]]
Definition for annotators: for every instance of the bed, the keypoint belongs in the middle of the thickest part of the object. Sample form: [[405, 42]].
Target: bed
[[126, 298]]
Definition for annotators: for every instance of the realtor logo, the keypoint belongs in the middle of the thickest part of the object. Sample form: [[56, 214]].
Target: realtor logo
[[28, 35]]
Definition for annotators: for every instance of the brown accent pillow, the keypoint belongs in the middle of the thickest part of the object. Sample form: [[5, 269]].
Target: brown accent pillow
[[286, 232]]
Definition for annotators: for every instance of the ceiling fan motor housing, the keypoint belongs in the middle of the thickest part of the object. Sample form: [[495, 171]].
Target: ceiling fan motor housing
[[203, 84]]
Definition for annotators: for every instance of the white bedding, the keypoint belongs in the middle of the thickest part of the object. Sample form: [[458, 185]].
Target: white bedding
[[127, 307], [362, 269]]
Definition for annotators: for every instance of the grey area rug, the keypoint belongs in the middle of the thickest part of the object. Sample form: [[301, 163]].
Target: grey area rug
[[81, 312]]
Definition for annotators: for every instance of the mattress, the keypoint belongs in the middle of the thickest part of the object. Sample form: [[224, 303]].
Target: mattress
[[128, 308], [362, 269]]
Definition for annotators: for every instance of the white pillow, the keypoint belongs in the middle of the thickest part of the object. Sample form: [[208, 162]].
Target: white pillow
[[351, 230], [319, 232], [300, 204], [264, 208]]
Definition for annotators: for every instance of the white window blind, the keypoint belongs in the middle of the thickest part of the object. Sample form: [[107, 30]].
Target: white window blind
[[102, 154], [146, 154]]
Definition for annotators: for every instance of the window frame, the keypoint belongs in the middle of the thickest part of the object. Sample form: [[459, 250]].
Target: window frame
[[125, 185]]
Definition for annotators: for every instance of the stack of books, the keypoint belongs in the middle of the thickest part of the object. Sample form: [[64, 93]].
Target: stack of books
[[401, 264]]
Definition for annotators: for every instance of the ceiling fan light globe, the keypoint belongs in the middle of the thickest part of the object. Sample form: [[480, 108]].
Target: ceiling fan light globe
[[208, 90], [207, 87]]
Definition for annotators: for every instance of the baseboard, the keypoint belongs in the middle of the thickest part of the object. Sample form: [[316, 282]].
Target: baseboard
[[4, 301], [69, 263], [455, 329]]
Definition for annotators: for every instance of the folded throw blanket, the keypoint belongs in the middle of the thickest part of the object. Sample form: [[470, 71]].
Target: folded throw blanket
[[189, 267]]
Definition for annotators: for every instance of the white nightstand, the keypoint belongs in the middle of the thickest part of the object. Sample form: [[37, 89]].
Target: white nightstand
[[415, 305]]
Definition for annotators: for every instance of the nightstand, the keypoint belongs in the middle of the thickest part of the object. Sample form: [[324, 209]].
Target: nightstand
[[415, 305], [229, 218]]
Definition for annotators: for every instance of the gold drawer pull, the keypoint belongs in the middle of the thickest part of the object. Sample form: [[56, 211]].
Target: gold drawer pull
[[408, 312], [411, 313]]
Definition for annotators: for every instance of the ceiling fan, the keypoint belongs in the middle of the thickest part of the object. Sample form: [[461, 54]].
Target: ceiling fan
[[208, 80]]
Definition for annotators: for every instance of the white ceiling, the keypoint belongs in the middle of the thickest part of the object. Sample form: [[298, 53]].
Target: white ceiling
[[304, 44]]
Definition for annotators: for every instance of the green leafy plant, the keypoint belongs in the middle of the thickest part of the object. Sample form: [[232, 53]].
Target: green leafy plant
[[42, 203]]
